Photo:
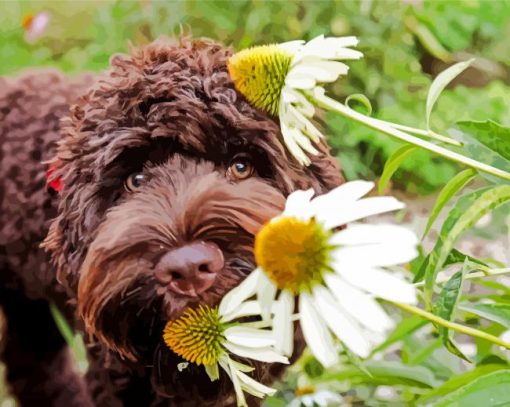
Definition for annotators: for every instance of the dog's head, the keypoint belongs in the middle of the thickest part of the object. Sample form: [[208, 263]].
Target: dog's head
[[168, 174]]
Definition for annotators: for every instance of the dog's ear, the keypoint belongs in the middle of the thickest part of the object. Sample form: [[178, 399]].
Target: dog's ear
[[326, 169]]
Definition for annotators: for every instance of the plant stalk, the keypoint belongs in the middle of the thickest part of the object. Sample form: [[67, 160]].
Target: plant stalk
[[379, 125], [451, 325]]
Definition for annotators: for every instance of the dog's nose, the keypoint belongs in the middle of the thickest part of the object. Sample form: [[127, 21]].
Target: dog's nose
[[191, 269]]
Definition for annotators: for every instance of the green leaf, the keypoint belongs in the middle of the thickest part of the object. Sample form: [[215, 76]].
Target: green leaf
[[457, 381], [499, 313], [450, 189], [446, 306], [487, 142], [392, 164], [440, 82], [388, 373], [467, 211], [455, 256], [490, 390], [405, 328], [62, 325], [491, 134]]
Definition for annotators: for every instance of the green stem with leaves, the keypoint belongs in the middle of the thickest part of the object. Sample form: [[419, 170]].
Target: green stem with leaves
[[386, 128], [451, 325]]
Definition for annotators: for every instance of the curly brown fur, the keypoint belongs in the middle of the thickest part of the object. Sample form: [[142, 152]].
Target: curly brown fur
[[170, 111]]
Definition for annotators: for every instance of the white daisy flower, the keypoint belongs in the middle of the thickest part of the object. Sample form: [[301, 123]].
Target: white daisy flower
[[209, 337], [274, 77], [336, 275]]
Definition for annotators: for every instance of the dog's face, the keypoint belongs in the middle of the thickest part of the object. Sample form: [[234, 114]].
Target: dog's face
[[168, 175]]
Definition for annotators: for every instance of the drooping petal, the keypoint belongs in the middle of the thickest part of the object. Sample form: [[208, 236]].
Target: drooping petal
[[360, 305], [316, 333], [266, 354], [290, 141], [232, 372], [381, 283], [266, 292], [253, 387], [249, 337], [242, 292], [283, 326], [345, 213], [212, 371], [247, 308], [364, 234], [352, 335], [299, 101]]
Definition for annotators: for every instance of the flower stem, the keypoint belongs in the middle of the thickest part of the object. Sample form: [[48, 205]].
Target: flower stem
[[386, 128], [451, 325], [485, 272], [420, 132]]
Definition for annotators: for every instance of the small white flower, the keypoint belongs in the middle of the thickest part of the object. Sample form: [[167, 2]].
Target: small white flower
[[289, 69], [320, 398], [35, 26], [336, 275], [209, 337]]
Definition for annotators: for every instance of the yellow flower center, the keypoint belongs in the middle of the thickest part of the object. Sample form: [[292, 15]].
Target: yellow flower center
[[197, 336], [259, 74], [294, 253]]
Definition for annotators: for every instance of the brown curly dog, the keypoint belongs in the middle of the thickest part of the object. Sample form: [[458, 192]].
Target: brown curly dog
[[167, 173]]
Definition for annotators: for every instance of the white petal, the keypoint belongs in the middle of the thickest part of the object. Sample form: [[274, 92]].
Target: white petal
[[359, 233], [361, 306], [292, 46], [300, 80], [249, 337], [242, 292], [232, 372], [283, 326], [320, 70], [348, 258], [254, 387], [345, 213], [343, 194], [266, 292], [247, 308], [291, 96], [381, 283], [298, 203], [265, 354], [289, 140], [336, 317], [301, 123], [316, 333]]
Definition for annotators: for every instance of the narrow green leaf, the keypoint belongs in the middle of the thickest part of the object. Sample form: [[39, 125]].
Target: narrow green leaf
[[446, 306], [455, 256], [389, 373], [457, 381], [62, 325], [490, 390], [450, 189], [405, 328], [392, 164], [442, 80], [499, 313], [466, 212]]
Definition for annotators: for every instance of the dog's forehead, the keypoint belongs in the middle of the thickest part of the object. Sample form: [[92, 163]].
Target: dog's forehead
[[166, 90]]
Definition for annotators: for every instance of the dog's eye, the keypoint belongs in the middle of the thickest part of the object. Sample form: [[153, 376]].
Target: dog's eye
[[240, 168], [134, 181]]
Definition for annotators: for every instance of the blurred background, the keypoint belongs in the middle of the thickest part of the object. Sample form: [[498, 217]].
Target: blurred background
[[406, 43]]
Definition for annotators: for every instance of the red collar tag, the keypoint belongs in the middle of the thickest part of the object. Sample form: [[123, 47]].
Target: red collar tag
[[54, 183]]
